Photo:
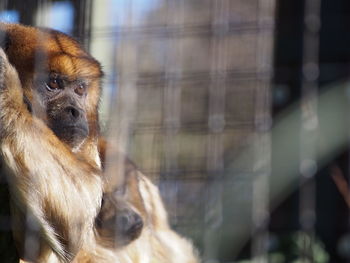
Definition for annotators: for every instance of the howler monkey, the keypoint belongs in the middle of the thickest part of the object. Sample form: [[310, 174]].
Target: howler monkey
[[49, 95]]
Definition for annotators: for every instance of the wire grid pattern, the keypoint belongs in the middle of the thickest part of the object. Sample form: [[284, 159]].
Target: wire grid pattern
[[193, 91]]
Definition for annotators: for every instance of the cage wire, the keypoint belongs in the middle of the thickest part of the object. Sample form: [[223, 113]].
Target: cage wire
[[188, 95], [174, 76], [309, 127]]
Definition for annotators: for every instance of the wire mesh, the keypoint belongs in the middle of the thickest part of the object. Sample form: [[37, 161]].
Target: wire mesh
[[195, 94]]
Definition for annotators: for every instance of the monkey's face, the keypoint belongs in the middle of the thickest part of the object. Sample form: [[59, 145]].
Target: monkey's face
[[118, 222], [121, 219], [61, 81], [60, 101]]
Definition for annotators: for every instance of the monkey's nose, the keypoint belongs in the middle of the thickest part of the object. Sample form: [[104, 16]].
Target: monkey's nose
[[131, 224], [73, 112]]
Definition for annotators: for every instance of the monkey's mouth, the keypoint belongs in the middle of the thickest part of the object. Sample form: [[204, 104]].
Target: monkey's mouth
[[71, 134], [80, 129], [133, 232], [114, 236], [76, 130]]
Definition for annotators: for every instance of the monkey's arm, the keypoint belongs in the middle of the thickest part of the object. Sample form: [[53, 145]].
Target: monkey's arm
[[61, 193]]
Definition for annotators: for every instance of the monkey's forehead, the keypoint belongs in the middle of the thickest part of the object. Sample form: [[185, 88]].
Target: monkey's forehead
[[53, 50], [67, 57], [73, 67]]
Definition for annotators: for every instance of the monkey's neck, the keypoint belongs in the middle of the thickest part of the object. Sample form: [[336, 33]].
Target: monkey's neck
[[88, 149]]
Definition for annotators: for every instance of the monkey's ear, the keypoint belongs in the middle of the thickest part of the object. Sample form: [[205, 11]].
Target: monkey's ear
[[5, 40]]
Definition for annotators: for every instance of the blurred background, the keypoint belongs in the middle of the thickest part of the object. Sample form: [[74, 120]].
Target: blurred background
[[237, 109]]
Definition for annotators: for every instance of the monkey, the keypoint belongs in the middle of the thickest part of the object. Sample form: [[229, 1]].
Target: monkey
[[48, 141], [132, 225], [119, 221], [156, 241]]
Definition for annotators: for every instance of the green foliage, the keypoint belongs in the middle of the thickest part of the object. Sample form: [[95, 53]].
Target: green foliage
[[297, 247]]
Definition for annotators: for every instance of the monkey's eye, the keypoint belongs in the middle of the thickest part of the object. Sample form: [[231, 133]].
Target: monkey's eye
[[53, 84], [80, 89]]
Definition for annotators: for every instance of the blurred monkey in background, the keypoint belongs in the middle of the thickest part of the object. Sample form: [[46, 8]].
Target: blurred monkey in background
[[155, 241]]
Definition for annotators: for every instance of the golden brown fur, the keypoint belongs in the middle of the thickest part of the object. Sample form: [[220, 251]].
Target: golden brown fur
[[62, 202], [55, 189]]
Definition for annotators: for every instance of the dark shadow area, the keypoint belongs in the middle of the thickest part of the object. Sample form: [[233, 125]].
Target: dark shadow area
[[332, 217]]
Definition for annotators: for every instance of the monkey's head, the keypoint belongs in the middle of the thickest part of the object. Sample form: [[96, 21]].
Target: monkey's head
[[61, 81], [118, 223], [121, 219]]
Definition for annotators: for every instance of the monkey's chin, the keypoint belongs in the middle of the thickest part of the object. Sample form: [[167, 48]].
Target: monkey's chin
[[73, 136], [114, 239]]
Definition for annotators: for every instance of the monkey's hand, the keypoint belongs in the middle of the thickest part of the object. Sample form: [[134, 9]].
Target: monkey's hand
[[57, 193]]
